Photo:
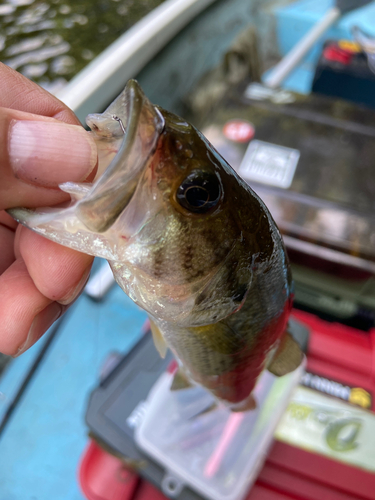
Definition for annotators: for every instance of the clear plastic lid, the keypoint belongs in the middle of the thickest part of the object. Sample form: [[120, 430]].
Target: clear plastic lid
[[215, 452]]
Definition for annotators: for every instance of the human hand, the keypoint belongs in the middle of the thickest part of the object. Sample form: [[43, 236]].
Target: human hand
[[39, 279]]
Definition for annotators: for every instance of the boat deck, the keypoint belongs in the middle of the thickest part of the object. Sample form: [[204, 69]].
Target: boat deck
[[43, 394], [45, 434]]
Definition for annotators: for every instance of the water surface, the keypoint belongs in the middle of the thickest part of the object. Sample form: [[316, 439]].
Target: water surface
[[50, 41]]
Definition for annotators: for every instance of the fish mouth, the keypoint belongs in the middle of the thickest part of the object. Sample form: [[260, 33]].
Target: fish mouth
[[95, 208], [142, 124]]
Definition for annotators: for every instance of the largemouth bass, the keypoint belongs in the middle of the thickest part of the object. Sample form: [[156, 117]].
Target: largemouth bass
[[188, 241]]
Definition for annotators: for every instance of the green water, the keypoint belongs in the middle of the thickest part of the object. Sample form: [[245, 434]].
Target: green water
[[51, 41]]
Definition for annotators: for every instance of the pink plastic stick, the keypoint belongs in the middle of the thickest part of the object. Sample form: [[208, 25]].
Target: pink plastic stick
[[229, 431]]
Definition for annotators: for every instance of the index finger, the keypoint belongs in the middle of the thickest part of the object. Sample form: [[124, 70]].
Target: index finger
[[17, 92]]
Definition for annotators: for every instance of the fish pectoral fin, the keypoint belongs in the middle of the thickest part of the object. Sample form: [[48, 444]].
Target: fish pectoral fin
[[160, 344], [287, 358], [180, 381]]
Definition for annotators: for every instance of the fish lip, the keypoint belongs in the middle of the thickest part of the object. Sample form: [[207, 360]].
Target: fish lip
[[113, 191]]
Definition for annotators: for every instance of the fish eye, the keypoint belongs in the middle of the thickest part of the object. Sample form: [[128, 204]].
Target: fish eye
[[199, 192]]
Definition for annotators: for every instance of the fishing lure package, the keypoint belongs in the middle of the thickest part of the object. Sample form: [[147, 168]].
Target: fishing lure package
[[215, 452]]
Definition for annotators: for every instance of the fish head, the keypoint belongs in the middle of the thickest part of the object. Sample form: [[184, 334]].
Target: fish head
[[181, 230]]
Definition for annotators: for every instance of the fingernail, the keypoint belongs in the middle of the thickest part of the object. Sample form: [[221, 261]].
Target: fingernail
[[40, 325], [76, 290], [50, 153]]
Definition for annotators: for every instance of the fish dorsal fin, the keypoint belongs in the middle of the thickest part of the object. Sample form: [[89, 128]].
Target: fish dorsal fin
[[287, 358], [180, 381], [158, 339]]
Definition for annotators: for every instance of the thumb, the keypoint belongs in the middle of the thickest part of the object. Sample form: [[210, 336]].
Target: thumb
[[38, 153]]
